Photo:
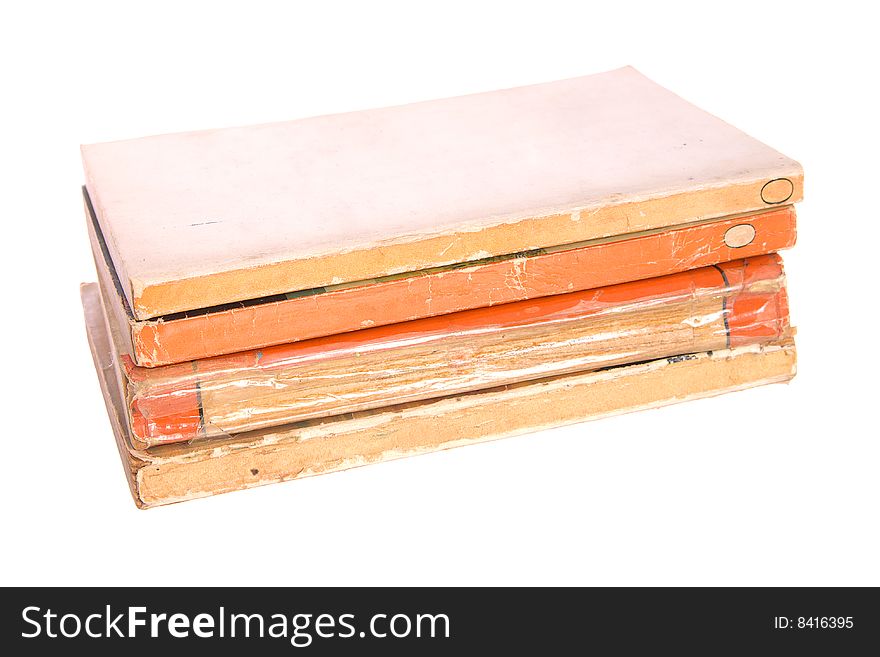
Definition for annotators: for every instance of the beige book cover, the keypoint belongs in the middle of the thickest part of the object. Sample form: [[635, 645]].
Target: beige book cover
[[201, 219], [178, 472]]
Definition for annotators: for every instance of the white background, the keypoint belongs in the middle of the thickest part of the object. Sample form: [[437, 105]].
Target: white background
[[771, 486]]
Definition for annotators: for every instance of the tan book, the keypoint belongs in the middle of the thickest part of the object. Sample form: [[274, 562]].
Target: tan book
[[203, 219], [178, 472]]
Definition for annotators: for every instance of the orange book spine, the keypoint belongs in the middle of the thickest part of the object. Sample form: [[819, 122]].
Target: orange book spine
[[175, 340]]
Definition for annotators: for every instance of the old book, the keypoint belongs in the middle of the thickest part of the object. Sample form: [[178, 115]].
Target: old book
[[203, 219], [405, 297], [173, 473], [731, 304]]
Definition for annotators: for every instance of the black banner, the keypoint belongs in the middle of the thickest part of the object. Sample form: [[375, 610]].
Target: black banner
[[439, 621]]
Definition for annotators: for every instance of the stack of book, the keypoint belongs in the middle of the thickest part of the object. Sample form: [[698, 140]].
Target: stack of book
[[296, 298]]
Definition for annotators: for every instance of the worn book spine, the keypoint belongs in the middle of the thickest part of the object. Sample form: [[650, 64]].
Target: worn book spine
[[175, 473], [346, 308], [706, 309]]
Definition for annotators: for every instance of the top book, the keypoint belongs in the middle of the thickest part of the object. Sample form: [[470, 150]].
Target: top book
[[202, 219]]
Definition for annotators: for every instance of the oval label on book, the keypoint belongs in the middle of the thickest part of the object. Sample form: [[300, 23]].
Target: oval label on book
[[739, 236], [776, 191]]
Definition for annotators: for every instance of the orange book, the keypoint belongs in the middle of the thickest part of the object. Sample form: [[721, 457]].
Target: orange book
[[339, 309], [729, 305]]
